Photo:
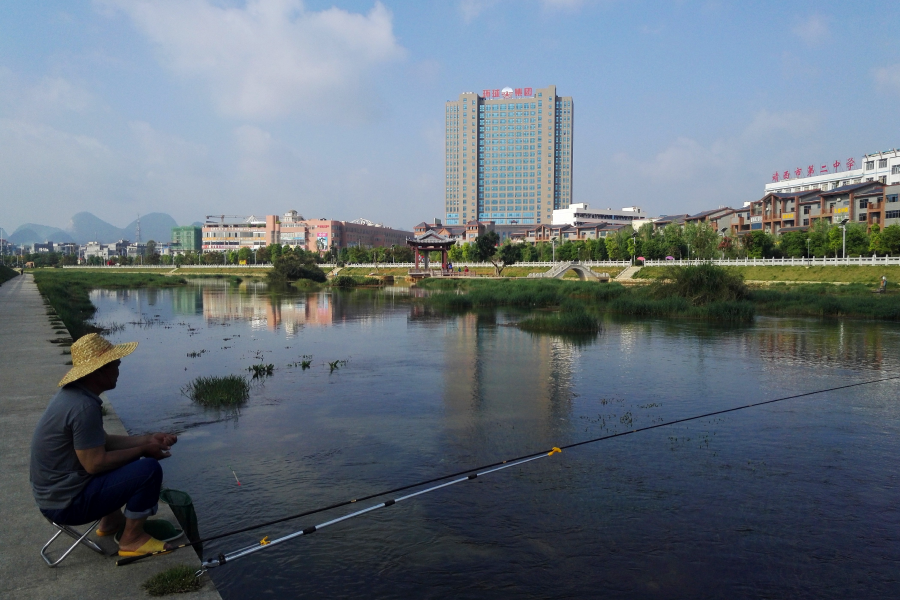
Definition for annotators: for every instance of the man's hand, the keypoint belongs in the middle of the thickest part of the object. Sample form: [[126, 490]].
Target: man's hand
[[156, 450], [166, 439]]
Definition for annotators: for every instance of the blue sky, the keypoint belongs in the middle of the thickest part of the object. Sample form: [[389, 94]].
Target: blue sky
[[196, 107]]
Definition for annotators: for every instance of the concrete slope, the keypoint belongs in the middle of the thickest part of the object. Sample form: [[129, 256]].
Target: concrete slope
[[628, 273], [30, 367]]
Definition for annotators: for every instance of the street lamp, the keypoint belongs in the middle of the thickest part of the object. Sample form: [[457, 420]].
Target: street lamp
[[633, 246], [844, 238], [553, 245], [807, 247]]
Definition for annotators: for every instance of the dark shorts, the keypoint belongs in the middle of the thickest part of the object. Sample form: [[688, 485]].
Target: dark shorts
[[135, 486]]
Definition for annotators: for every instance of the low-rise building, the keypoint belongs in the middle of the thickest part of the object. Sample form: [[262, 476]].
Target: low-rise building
[[188, 238], [581, 214], [315, 235]]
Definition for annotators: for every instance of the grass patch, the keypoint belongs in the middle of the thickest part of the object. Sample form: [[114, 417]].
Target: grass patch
[[218, 392], [577, 321], [851, 273], [348, 281], [179, 579], [67, 291], [6, 274], [306, 285]]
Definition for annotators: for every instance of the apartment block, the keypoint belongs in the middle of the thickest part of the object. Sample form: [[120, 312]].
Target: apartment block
[[508, 155]]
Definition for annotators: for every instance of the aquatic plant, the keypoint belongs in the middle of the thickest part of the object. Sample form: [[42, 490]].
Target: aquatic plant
[[701, 284], [346, 281], [336, 364], [175, 580], [230, 390], [562, 322], [261, 370]]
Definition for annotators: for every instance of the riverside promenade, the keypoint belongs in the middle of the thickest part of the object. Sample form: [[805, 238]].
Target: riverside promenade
[[30, 367]]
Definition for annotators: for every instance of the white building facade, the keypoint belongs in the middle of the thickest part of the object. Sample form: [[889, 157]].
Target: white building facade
[[581, 214], [878, 166]]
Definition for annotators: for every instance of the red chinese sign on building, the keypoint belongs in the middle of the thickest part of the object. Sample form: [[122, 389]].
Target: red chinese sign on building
[[811, 170], [508, 93]]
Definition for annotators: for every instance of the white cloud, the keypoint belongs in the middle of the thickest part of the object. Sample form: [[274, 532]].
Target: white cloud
[[715, 171], [270, 58], [813, 31], [471, 9], [888, 77]]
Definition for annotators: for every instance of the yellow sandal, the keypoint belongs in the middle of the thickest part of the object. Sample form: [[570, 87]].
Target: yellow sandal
[[150, 546]]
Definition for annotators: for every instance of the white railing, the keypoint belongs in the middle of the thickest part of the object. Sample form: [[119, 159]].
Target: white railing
[[170, 267], [588, 263], [784, 262]]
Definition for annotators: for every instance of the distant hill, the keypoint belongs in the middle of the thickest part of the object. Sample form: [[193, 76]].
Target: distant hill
[[154, 226], [32, 233], [86, 227]]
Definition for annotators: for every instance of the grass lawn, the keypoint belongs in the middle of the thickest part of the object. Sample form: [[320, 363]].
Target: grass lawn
[[849, 273]]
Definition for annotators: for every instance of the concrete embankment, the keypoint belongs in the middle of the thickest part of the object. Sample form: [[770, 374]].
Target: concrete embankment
[[30, 367]]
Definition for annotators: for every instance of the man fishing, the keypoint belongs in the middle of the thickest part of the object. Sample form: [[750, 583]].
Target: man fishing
[[79, 473]]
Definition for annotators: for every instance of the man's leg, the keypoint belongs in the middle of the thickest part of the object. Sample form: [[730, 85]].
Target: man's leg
[[136, 485]]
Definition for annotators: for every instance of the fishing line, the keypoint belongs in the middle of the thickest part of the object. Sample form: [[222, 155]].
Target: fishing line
[[471, 473]]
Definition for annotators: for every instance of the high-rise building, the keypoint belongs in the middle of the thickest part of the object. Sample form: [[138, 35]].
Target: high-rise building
[[508, 156]]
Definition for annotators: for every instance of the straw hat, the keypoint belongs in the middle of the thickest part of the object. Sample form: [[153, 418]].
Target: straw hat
[[91, 352]]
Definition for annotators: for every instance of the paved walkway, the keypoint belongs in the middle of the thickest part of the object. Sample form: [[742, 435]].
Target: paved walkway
[[628, 273], [30, 367]]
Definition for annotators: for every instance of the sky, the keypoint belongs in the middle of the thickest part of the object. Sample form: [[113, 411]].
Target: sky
[[336, 108]]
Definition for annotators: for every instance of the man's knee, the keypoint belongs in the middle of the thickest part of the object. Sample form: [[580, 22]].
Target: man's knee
[[150, 468]]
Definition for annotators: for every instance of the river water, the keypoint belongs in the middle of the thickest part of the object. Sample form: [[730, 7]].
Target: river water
[[795, 499]]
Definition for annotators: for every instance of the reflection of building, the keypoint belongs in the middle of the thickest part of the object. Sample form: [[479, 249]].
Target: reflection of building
[[263, 310], [489, 371]]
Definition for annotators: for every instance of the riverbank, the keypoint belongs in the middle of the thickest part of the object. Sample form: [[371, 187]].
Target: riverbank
[[30, 367], [68, 292], [707, 293], [831, 274]]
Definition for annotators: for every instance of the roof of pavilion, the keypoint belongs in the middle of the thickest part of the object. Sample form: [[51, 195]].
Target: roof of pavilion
[[430, 238]]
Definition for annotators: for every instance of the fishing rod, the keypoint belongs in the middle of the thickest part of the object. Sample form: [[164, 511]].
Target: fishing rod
[[470, 474]]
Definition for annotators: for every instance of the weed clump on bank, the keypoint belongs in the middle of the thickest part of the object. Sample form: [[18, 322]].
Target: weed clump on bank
[[179, 579], [218, 392]]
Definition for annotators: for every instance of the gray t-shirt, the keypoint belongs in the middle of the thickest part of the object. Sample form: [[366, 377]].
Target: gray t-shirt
[[72, 421]]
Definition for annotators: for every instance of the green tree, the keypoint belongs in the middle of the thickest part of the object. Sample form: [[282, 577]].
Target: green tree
[[758, 244], [857, 240], [818, 238], [289, 267], [673, 241], [701, 240], [567, 251], [487, 249], [456, 253], [888, 241], [245, 254], [793, 243]]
